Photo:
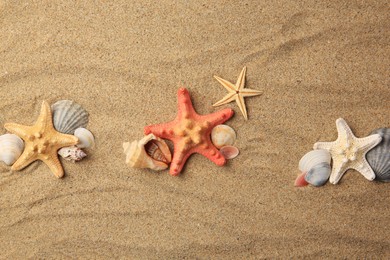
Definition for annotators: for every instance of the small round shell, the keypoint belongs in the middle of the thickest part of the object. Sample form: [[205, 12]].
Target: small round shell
[[379, 156], [149, 152], [223, 135], [11, 147], [229, 152], [313, 158], [86, 139], [68, 116]]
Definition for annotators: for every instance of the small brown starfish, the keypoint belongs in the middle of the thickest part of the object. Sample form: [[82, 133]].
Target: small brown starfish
[[42, 142]]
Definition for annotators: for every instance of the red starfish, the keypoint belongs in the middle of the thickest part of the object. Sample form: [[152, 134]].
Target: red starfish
[[190, 132]]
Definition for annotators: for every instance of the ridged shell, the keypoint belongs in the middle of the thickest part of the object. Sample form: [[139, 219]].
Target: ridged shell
[[68, 116], [149, 152], [319, 174], [72, 153], [11, 147], [229, 152], [223, 135], [379, 156], [86, 139], [313, 158]]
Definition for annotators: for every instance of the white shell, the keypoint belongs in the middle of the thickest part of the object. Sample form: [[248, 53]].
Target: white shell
[[149, 152], [11, 147], [319, 174], [223, 135], [229, 152], [72, 153], [68, 116], [313, 158], [86, 139]]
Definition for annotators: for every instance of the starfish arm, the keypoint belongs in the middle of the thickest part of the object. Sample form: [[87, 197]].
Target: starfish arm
[[19, 130], [338, 170], [369, 142], [54, 165], [365, 169], [184, 103], [218, 117], [343, 130], [64, 140], [24, 160], [213, 155], [241, 79], [178, 161], [45, 117], [226, 84], [226, 99], [160, 130], [323, 145], [247, 92], [241, 104]]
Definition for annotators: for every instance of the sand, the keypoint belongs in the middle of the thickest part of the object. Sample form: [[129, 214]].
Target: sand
[[315, 61]]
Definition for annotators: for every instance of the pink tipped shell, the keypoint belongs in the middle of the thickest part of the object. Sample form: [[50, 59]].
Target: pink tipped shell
[[300, 180], [229, 152]]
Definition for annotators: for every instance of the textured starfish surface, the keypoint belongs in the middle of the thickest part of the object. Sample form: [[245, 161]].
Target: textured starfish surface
[[190, 132], [237, 92], [41, 142], [349, 152]]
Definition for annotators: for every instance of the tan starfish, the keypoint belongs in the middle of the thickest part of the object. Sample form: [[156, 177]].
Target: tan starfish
[[41, 142], [237, 92]]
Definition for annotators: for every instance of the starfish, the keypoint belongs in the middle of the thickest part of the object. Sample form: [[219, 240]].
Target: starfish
[[41, 142], [190, 132], [237, 92], [349, 152]]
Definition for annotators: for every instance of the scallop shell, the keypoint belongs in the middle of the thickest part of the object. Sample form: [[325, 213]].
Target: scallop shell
[[11, 147], [149, 152], [223, 135], [68, 116], [314, 158], [86, 139], [319, 174], [379, 156], [72, 153], [229, 152]]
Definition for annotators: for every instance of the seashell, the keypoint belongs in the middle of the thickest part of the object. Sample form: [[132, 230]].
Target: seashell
[[86, 139], [11, 147], [149, 152], [68, 116], [379, 156], [319, 174], [312, 158], [300, 180], [223, 135], [229, 152], [72, 153]]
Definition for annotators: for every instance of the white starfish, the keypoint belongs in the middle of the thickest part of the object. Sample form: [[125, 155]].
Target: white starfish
[[349, 152]]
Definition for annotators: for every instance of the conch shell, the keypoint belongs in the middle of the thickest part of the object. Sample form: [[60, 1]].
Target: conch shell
[[11, 147], [72, 153], [149, 152]]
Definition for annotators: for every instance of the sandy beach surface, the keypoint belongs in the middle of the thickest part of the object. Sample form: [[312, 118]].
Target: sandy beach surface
[[314, 61]]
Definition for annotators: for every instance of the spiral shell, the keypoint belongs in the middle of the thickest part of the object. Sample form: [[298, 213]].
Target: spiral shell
[[68, 116], [379, 156], [149, 152], [11, 147], [72, 153], [223, 135], [86, 139]]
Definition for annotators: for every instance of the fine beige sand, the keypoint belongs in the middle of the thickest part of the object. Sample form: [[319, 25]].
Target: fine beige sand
[[315, 61]]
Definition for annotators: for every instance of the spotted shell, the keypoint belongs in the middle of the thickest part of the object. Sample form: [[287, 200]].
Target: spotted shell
[[72, 153], [223, 135], [68, 116], [149, 152], [11, 147], [379, 156]]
